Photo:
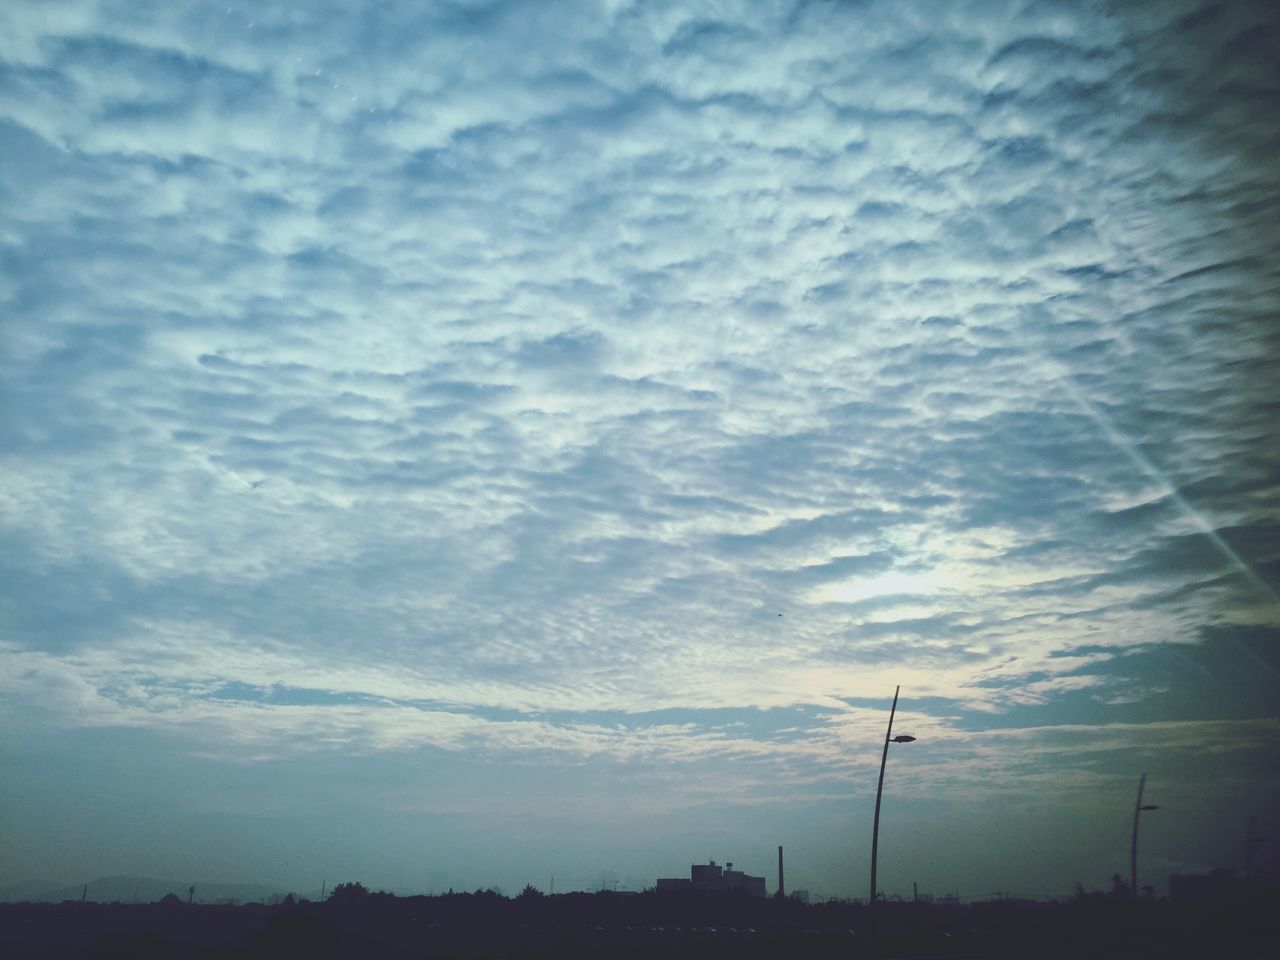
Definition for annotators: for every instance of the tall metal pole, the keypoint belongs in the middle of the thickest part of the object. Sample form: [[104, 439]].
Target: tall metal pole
[[1249, 842], [875, 823], [1133, 847]]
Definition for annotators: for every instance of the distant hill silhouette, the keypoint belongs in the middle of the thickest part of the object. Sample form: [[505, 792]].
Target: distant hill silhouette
[[141, 889]]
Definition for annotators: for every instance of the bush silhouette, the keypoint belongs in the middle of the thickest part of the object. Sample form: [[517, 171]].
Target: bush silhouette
[[348, 893]]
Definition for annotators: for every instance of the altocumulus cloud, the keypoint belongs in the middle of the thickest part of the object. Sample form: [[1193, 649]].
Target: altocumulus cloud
[[572, 381]]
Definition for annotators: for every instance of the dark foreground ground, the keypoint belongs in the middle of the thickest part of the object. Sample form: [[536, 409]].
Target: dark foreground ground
[[486, 925]]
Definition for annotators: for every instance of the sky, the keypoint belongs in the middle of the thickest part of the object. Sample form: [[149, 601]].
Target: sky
[[468, 444]]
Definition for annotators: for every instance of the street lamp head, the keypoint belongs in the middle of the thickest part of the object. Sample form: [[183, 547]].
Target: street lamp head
[[904, 738], [1150, 806]]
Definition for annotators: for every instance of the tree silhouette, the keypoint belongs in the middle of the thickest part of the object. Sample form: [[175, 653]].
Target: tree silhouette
[[1119, 889], [348, 892]]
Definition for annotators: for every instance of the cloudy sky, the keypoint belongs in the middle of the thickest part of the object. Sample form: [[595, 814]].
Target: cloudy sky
[[459, 444]]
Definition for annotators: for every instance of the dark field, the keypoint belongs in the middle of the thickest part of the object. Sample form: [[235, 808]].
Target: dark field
[[487, 925]]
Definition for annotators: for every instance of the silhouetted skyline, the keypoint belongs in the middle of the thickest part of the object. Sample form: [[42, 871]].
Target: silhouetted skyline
[[717, 920]]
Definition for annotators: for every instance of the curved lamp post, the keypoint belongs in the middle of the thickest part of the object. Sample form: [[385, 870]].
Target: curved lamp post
[[1133, 846], [875, 824]]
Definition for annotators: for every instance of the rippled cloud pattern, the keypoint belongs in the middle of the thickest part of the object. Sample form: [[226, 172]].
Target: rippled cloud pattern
[[642, 391]]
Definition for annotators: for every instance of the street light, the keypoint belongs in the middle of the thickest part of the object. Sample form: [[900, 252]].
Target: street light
[[875, 824], [1138, 807]]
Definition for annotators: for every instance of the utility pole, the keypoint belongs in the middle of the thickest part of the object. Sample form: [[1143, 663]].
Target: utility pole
[[1133, 846], [1251, 838], [875, 824]]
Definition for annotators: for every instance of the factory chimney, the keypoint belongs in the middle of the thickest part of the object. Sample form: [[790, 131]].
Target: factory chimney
[[782, 886]]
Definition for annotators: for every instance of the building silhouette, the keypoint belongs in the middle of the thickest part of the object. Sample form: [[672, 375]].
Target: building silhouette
[[711, 878]]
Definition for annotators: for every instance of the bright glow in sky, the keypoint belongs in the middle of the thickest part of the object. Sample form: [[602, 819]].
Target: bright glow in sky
[[454, 444]]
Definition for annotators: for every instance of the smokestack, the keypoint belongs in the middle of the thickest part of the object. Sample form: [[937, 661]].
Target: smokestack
[[782, 886]]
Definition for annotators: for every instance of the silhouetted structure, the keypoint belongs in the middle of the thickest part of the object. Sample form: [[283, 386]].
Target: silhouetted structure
[[713, 879], [875, 823], [1133, 848]]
